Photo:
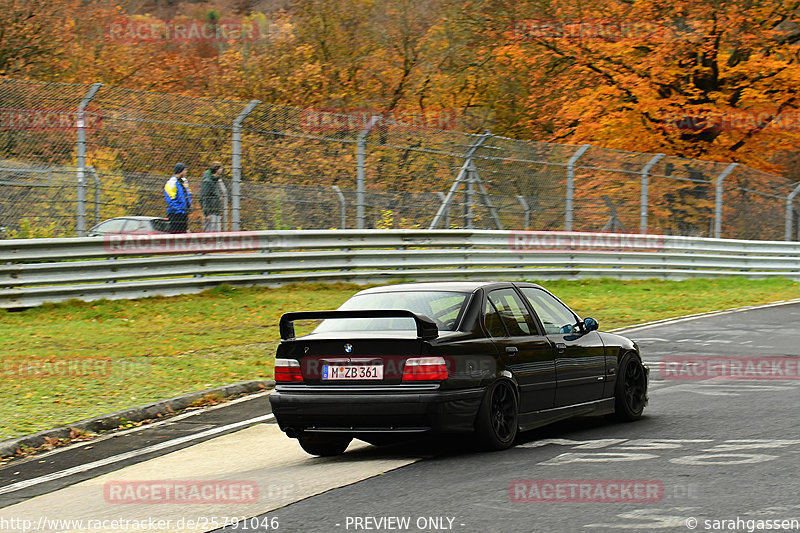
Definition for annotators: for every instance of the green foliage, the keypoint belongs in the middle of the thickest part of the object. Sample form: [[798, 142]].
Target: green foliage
[[36, 228], [387, 221], [222, 290]]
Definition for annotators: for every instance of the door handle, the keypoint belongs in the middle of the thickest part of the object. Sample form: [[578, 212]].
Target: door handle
[[511, 350], [560, 346]]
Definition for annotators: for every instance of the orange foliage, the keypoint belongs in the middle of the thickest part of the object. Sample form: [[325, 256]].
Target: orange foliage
[[697, 79]]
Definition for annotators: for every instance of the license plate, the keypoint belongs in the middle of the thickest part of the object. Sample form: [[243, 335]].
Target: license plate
[[352, 372]]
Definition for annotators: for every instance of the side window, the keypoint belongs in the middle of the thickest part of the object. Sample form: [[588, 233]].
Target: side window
[[512, 312], [555, 316], [132, 226], [112, 226], [494, 325]]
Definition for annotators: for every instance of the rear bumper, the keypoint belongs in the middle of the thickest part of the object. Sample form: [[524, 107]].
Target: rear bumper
[[300, 408]]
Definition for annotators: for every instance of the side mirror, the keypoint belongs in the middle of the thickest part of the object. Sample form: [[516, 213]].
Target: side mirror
[[590, 324]]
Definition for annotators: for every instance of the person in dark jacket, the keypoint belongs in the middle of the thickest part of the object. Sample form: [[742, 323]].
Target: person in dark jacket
[[210, 199], [179, 200]]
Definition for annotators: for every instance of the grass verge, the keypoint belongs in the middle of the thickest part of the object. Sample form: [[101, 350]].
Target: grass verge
[[74, 360]]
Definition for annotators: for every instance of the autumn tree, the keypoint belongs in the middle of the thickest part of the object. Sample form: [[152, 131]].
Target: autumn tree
[[710, 79], [702, 79], [34, 35]]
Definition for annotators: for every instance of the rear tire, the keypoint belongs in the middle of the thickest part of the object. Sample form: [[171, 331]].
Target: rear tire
[[324, 445], [630, 390], [497, 422]]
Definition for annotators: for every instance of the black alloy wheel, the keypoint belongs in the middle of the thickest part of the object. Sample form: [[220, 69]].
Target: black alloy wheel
[[631, 389], [497, 421]]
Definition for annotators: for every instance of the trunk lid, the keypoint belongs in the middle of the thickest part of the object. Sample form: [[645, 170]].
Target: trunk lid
[[358, 357]]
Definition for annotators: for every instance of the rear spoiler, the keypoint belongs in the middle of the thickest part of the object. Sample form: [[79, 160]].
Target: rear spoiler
[[426, 328]]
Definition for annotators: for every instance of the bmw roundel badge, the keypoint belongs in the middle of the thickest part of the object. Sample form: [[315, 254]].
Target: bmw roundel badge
[[348, 348]]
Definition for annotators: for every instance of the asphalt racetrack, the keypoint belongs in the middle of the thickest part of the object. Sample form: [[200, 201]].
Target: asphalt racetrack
[[717, 450]]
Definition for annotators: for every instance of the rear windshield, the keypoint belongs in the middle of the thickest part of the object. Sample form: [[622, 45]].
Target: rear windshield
[[443, 307]]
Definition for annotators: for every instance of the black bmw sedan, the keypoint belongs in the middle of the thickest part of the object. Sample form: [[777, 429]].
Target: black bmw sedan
[[486, 358]]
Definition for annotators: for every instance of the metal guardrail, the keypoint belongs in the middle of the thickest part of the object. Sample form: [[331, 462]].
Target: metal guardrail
[[35, 271]]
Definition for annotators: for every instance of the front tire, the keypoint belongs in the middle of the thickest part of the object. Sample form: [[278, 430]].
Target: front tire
[[324, 445], [497, 422], [630, 390]]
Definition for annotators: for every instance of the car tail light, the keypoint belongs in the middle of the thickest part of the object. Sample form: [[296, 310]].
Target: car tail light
[[287, 370], [425, 369]]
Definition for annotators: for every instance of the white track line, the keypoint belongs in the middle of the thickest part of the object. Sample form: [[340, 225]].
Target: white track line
[[128, 455], [144, 427], [670, 321]]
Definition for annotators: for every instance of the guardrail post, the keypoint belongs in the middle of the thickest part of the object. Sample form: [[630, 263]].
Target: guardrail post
[[645, 173], [361, 156], [571, 185], [236, 165], [789, 212], [81, 149], [718, 201], [527, 209], [342, 206]]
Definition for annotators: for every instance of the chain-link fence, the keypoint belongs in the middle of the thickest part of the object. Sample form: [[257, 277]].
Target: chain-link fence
[[74, 155]]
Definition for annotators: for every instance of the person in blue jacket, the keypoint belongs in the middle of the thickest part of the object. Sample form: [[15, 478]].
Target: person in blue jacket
[[179, 200]]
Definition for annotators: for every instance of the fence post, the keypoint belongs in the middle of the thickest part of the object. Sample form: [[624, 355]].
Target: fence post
[[718, 201], [571, 185], [526, 208], [81, 126], [789, 209], [469, 197], [226, 217], [645, 173], [236, 165], [442, 199], [463, 176], [361, 155], [342, 206], [93, 172]]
